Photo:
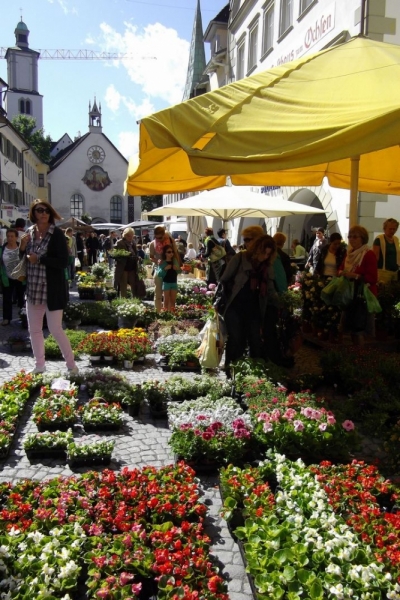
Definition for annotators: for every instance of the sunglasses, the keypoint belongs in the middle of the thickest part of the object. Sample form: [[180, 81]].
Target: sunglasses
[[169, 252], [247, 240], [42, 210]]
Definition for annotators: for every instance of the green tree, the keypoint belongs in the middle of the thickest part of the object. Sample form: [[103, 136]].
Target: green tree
[[150, 202], [37, 140]]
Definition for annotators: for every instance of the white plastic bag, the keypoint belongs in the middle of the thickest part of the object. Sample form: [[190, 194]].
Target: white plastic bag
[[212, 344], [77, 263]]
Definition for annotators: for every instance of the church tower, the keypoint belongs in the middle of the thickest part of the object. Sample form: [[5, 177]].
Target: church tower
[[95, 118], [23, 96], [196, 82]]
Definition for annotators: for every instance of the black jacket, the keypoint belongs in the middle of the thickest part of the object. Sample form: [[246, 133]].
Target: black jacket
[[56, 261]]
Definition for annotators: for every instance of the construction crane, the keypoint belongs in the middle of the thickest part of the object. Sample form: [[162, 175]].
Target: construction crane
[[83, 55]]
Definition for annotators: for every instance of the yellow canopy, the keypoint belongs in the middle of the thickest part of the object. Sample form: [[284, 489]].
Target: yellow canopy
[[291, 125]]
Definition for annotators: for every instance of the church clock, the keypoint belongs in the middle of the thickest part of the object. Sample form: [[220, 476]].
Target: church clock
[[96, 154]]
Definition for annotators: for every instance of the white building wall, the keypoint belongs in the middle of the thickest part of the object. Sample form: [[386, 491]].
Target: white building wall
[[66, 180], [322, 24]]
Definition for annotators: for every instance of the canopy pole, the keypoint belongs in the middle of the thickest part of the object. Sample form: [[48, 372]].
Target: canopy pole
[[355, 169]]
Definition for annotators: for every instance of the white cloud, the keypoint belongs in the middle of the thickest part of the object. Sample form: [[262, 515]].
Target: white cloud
[[128, 143], [162, 77], [114, 100], [64, 7]]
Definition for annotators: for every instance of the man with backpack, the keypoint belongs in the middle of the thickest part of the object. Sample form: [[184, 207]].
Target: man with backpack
[[225, 243], [214, 254]]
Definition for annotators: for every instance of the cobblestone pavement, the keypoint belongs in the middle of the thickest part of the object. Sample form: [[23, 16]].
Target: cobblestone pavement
[[142, 441]]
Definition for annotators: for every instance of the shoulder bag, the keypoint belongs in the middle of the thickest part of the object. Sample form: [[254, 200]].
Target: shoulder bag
[[357, 311], [19, 272]]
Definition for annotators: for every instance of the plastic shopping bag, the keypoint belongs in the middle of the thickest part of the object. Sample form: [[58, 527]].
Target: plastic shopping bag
[[212, 344], [372, 301], [338, 292]]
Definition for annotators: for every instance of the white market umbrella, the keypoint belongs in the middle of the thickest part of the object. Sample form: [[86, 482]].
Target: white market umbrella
[[195, 226], [231, 202]]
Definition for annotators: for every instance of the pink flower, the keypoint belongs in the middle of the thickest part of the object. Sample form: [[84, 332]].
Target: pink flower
[[196, 289], [212, 286], [215, 426], [241, 433], [103, 593], [275, 415], [330, 419], [348, 425], [238, 423], [322, 426], [298, 425], [289, 414], [263, 417], [274, 400], [207, 435], [307, 412], [125, 578], [210, 293], [203, 290], [201, 417], [267, 427], [136, 588]]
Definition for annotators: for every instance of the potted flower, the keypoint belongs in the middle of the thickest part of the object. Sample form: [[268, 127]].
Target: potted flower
[[72, 314], [18, 342], [157, 397], [128, 312], [48, 444], [119, 254], [97, 453], [99, 415], [57, 412]]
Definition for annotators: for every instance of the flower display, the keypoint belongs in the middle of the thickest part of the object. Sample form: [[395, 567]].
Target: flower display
[[295, 543], [208, 429], [100, 449], [97, 412], [55, 410], [119, 253], [129, 308], [121, 529], [48, 440], [124, 344]]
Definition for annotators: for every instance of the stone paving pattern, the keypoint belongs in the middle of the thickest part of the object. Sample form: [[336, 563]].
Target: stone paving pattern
[[142, 441]]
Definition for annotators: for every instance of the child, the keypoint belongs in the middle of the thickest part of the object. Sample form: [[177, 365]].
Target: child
[[168, 270]]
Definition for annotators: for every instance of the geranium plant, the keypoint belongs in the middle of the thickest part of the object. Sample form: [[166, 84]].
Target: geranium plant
[[56, 411], [97, 412]]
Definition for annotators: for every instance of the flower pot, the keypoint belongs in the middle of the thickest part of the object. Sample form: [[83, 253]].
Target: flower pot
[[55, 426], [95, 359], [127, 322], [158, 413], [72, 324], [102, 426], [50, 453], [131, 409], [108, 359], [128, 364], [88, 461]]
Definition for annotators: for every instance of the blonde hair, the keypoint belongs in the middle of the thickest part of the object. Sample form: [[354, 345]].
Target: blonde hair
[[260, 245], [253, 231], [127, 231]]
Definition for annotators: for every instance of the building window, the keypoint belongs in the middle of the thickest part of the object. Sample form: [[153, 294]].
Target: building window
[[116, 209], [76, 206], [285, 16], [253, 42], [268, 29], [240, 62], [304, 4], [41, 180], [28, 107], [25, 107], [22, 107]]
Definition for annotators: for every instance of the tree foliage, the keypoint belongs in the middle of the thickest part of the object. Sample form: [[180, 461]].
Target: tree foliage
[[39, 143], [150, 202]]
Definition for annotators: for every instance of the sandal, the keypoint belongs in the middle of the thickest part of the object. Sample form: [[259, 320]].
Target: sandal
[[5, 322]]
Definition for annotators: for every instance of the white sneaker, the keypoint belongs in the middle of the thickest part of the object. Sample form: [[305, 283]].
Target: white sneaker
[[74, 371], [37, 370]]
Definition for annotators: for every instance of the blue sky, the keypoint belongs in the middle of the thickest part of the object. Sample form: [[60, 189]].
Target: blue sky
[[127, 90]]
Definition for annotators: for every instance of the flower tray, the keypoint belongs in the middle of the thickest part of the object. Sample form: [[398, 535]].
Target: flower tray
[[201, 467], [102, 426], [165, 367], [249, 576], [55, 426], [89, 461], [51, 453]]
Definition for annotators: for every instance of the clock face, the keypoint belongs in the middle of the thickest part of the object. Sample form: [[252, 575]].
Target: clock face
[[96, 154]]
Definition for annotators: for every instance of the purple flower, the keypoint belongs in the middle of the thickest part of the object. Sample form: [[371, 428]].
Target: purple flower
[[196, 289], [212, 286]]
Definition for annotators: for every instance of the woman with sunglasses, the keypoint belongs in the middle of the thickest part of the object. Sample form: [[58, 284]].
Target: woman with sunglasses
[[168, 270], [161, 239], [46, 252]]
